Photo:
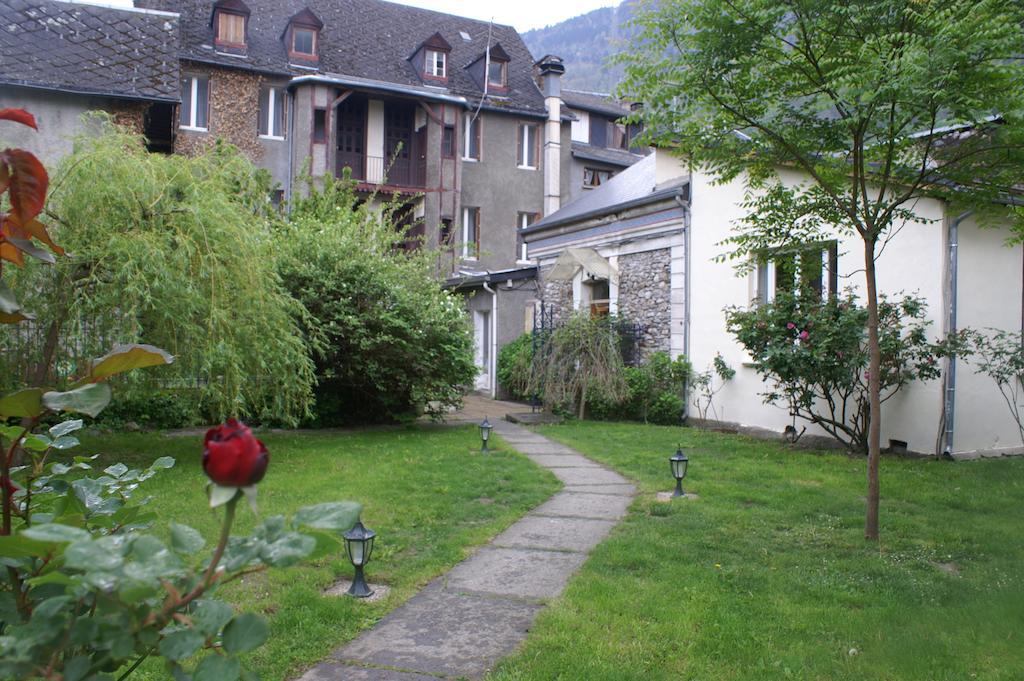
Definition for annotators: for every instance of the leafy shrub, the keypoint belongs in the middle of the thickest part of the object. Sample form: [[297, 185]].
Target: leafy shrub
[[814, 355], [514, 366], [387, 340], [163, 409]]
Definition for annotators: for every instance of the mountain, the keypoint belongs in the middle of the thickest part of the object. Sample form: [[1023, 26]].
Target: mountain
[[585, 43]]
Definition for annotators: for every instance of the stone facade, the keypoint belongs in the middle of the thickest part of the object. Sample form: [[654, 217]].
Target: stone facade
[[644, 296], [557, 297], [234, 112]]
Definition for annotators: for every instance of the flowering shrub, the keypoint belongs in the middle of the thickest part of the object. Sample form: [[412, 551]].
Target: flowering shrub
[[999, 354], [814, 356]]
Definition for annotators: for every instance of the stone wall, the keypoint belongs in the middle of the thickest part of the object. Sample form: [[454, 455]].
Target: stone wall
[[557, 296], [644, 296], [234, 112], [130, 115]]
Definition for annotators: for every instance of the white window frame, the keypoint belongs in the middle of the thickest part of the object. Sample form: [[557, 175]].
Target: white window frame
[[467, 129], [529, 149], [503, 71], [193, 104], [764, 274], [524, 222], [274, 92], [466, 254], [431, 63]]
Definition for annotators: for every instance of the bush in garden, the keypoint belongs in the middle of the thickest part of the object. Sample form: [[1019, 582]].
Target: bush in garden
[[177, 251], [88, 593], [514, 365], [386, 339], [814, 356], [656, 389], [704, 385], [999, 355]]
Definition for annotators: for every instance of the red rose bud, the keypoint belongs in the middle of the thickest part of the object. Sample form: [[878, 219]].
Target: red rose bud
[[232, 457]]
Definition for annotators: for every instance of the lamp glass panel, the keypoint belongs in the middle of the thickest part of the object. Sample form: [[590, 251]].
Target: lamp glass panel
[[355, 551]]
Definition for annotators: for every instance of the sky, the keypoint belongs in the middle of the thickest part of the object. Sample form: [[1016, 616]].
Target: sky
[[523, 14]]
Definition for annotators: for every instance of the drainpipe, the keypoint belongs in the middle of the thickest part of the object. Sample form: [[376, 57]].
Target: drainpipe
[[291, 148], [685, 205], [491, 359], [949, 406]]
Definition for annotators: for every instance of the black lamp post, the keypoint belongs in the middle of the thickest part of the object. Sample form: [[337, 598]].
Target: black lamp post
[[359, 544], [678, 462], [485, 435]]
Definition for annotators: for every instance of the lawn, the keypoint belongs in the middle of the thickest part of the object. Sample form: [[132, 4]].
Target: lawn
[[767, 576], [426, 492]]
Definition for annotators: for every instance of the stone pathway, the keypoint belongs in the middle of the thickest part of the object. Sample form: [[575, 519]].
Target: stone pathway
[[462, 623]]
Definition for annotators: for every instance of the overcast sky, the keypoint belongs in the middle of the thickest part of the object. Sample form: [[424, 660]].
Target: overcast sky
[[523, 14]]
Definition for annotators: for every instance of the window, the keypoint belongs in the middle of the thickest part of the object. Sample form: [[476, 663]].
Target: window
[[230, 29], [195, 103], [303, 42], [527, 151], [320, 125], [525, 220], [471, 141], [272, 112], [446, 234], [496, 73], [448, 141], [808, 269], [436, 63], [470, 233], [595, 177]]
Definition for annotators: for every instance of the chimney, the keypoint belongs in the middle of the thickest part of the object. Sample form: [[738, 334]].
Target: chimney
[[550, 70]]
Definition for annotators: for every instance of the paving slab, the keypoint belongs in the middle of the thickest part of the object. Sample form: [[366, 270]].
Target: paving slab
[[441, 632], [339, 671], [587, 476], [562, 461], [579, 505], [540, 448], [614, 489], [523, 573], [555, 533]]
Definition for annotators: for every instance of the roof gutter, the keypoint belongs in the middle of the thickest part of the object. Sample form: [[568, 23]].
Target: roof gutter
[[88, 93], [604, 210], [366, 83]]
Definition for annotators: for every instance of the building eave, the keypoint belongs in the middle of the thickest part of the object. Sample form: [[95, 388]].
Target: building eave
[[478, 279], [87, 92], [654, 197]]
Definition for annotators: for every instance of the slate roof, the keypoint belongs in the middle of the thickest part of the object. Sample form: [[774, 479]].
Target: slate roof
[[633, 185], [85, 49], [364, 39], [591, 152], [594, 101]]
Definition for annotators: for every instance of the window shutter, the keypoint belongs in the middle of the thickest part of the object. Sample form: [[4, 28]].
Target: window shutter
[[278, 112], [520, 130], [185, 112], [264, 110], [202, 102]]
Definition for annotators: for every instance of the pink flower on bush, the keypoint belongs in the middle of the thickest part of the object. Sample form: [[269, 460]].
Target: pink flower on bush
[[804, 335], [233, 457], [790, 326]]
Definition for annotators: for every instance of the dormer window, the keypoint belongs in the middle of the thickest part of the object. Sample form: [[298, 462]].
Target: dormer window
[[437, 62], [302, 36], [229, 23], [431, 58], [497, 74]]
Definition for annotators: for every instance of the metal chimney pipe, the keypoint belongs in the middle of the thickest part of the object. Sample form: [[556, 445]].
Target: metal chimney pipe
[[551, 69]]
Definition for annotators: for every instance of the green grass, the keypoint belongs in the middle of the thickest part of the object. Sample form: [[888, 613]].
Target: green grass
[[767, 574], [429, 496]]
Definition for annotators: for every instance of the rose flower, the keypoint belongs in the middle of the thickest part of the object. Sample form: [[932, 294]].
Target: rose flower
[[232, 457]]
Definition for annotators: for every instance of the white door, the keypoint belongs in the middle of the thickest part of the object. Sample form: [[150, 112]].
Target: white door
[[482, 341]]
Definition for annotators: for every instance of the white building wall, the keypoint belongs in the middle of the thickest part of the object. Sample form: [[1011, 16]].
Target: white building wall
[[914, 261], [375, 141]]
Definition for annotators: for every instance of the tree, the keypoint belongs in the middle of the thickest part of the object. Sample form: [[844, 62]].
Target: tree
[[387, 340], [878, 103]]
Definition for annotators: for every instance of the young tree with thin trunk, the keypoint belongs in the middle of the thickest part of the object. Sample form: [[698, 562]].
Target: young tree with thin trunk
[[877, 103]]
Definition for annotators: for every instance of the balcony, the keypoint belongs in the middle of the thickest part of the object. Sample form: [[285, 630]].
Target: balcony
[[377, 170], [379, 141]]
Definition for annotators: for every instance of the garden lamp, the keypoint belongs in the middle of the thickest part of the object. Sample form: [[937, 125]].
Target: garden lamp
[[485, 435], [678, 462], [359, 544]]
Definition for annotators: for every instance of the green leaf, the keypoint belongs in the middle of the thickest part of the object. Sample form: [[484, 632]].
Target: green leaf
[[36, 442], [116, 470], [27, 403], [126, 358], [245, 632], [89, 399], [211, 615], [20, 546], [326, 545], [181, 644], [88, 555], [76, 668], [288, 550], [220, 495], [65, 442], [55, 532], [333, 515], [186, 540], [8, 303], [152, 560], [163, 462], [217, 668], [65, 427]]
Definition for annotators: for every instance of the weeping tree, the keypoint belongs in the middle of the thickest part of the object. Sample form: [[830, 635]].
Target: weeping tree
[[177, 251], [582, 356], [876, 103]]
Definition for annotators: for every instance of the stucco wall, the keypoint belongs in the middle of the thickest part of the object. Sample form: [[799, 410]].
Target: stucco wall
[[643, 296], [59, 117]]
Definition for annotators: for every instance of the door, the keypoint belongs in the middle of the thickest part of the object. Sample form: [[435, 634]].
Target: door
[[352, 137], [398, 136], [482, 350]]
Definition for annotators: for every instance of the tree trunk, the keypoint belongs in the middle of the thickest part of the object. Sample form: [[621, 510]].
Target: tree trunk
[[583, 401], [874, 393]]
